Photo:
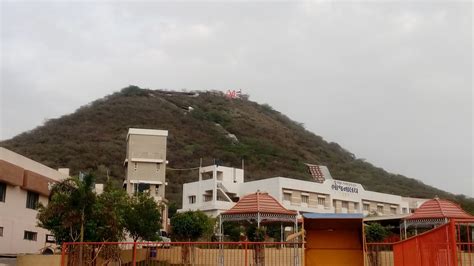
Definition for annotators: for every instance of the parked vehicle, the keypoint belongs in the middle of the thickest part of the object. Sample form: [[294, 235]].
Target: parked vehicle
[[165, 239]]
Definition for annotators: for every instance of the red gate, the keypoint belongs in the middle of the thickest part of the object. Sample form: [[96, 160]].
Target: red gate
[[447, 245]]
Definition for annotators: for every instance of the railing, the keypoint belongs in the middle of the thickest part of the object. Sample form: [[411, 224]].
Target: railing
[[183, 253], [379, 254], [222, 187]]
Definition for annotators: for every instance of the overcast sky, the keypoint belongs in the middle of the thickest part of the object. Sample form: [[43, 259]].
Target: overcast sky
[[391, 82]]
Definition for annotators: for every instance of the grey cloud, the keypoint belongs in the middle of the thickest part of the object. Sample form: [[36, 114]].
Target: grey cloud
[[392, 82]]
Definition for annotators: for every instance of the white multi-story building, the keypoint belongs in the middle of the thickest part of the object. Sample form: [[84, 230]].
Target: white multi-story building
[[219, 188], [24, 184]]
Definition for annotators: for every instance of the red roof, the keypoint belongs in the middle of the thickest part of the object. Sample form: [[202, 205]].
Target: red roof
[[439, 208], [259, 202]]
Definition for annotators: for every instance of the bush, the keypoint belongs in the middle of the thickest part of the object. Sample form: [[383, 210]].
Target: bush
[[375, 232], [191, 225]]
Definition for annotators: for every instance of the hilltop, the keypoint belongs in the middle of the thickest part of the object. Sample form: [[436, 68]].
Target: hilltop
[[207, 125]]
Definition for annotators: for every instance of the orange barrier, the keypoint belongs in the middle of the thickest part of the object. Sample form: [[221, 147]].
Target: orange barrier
[[435, 247], [334, 240]]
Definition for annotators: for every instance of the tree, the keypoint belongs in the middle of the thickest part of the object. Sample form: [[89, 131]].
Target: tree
[[109, 214], [233, 230], [172, 209], [143, 218], [375, 232], [74, 205], [70, 206], [257, 234], [191, 225]]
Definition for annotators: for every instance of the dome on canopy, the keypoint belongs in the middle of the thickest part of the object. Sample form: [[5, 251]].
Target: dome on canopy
[[258, 202], [439, 208]]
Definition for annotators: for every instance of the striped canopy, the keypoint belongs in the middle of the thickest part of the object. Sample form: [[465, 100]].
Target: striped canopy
[[258, 202], [439, 208]]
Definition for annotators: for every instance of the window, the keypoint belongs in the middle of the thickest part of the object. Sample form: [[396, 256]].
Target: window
[[393, 210], [3, 191], [32, 200], [141, 188], [287, 196], [207, 197], [304, 198], [380, 208], [366, 206], [135, 166], [321, 201], [192, 199], [157, 167], [1, 231], [345, 204], [30, 235], [405, 210]]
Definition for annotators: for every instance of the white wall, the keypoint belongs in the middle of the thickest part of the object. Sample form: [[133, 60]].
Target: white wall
[[338, 190], [15, 218]]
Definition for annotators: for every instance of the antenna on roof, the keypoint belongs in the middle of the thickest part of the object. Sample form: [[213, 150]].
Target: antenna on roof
[[243, 171]]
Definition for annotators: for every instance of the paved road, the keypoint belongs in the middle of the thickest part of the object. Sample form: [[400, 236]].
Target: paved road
[[7, 261]]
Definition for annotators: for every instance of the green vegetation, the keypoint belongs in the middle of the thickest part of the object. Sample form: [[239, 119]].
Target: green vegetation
[[143, 218], [76, 213], [191, 226], [254, 233], [232, 230], [71, 214], [375, 232], [93, 139]]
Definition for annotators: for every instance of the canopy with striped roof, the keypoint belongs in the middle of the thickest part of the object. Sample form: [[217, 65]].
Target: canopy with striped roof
[[259, 207], [432, 213], [439, 208], [258, 202]]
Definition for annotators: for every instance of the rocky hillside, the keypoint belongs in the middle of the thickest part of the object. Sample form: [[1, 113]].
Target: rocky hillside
[[203, 125]]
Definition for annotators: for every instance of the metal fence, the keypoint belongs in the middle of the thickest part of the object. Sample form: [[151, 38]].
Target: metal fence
[[184, 253]]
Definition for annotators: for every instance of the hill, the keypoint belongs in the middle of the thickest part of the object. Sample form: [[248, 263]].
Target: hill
[[203, 125]]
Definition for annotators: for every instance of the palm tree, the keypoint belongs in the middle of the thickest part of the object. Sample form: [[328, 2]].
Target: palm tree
[[74, 199]]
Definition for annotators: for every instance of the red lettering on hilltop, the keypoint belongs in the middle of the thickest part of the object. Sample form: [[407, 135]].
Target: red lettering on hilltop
[[233, 94]]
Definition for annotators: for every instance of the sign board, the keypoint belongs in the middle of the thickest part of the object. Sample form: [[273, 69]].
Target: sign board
[[345, 187], [50, 239]]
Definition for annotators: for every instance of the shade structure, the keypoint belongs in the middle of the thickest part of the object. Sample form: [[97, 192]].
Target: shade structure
[[439, 208], [259, 206], [433, 213]]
